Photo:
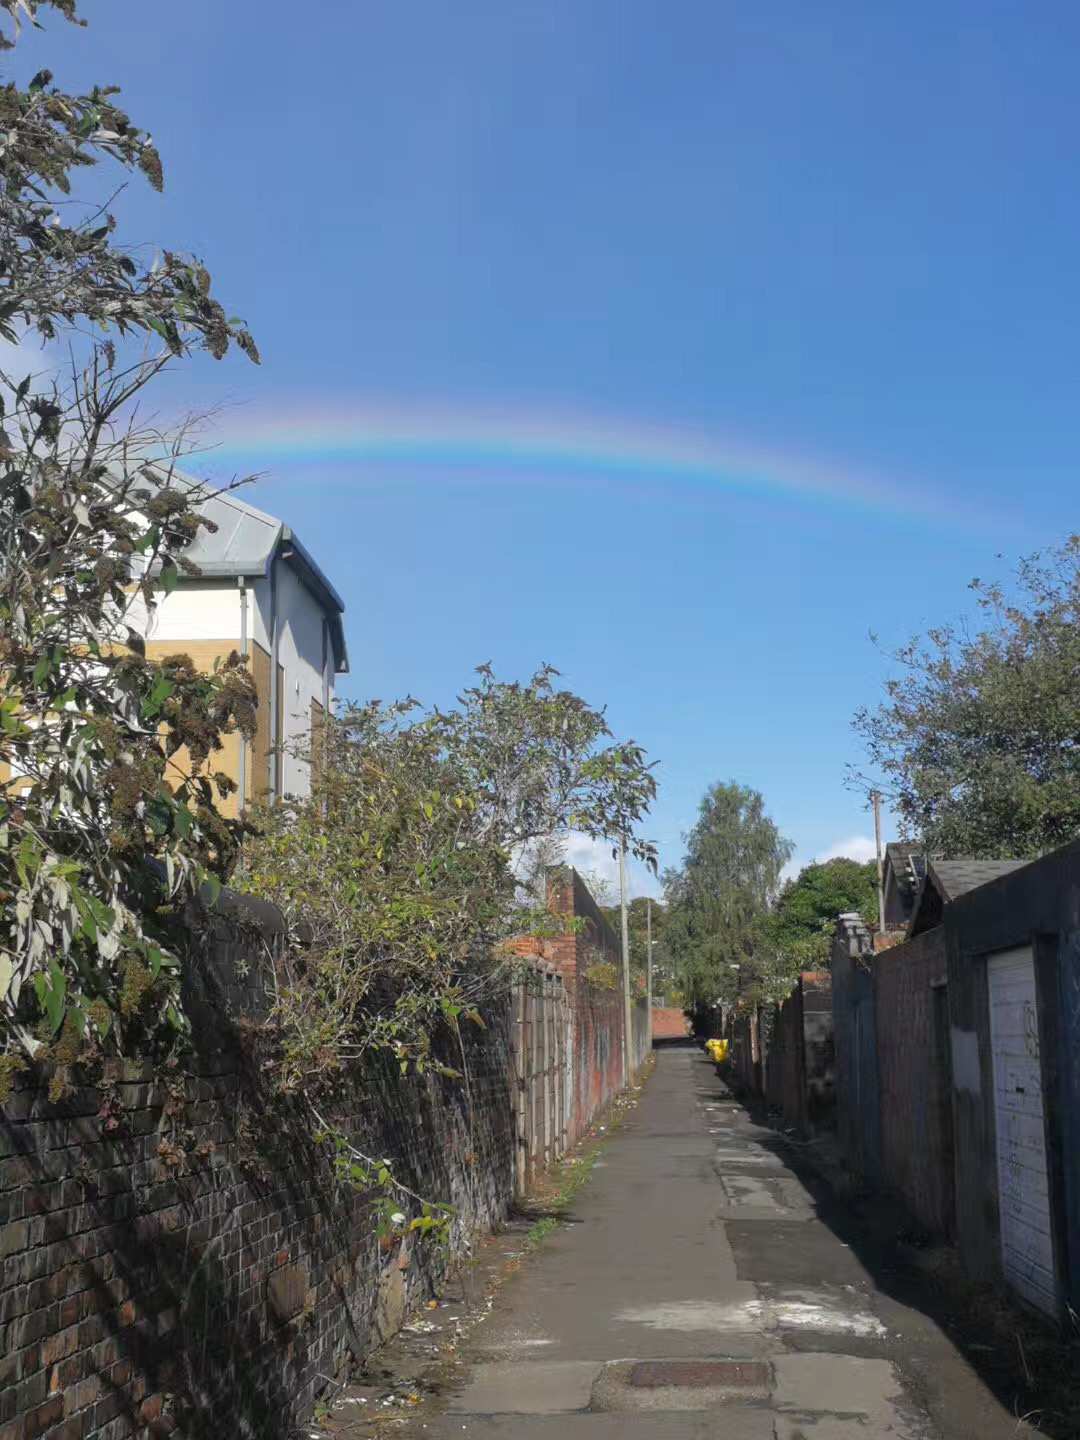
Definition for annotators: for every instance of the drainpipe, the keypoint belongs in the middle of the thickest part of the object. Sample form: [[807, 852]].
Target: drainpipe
[[275, 718], [325, 666], [242, 793]]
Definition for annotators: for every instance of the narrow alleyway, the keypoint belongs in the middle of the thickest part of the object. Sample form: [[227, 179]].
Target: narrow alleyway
[[698, 1290]]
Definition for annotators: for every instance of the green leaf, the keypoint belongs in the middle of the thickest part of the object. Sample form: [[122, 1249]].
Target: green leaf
[[97, 917], [54, 996], [162, 688]]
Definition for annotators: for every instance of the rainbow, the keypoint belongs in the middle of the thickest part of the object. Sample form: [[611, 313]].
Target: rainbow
[[512, 445]]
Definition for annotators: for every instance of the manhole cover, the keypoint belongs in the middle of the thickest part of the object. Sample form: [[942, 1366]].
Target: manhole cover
[[700, 1374]]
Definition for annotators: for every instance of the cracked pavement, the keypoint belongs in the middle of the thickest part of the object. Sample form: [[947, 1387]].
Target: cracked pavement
[[698, 1289]]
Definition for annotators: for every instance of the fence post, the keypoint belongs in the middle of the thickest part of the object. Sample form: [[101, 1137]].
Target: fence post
[[520, 1163], [556, 1075], [530, 1084], [545, 1066]]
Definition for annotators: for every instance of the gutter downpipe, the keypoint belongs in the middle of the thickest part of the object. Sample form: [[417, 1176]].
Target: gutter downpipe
[[275, 718], [325, 664], [241, 581]]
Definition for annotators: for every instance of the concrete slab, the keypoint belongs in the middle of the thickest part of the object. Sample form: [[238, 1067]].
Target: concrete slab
[[537, 1387], [797, 1310], [787, 1252], [727, 1158], [842, 1397], [746, 1424]]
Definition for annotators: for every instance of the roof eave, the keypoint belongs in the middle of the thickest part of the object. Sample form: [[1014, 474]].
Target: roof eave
[[310, 573]]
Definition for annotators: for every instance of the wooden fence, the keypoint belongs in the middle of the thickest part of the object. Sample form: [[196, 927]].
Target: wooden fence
[[541, 1038]]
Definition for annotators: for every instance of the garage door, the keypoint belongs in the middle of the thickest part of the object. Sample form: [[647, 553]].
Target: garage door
[[1027, 1245]]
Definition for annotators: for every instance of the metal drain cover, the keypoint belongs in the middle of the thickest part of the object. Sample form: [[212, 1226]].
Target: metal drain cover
[[739, 1385], [700, 1374]]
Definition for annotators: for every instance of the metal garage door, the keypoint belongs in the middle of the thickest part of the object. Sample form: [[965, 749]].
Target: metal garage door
[[1027, 1246]]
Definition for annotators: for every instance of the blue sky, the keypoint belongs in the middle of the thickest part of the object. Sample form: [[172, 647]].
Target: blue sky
[[839, 241]]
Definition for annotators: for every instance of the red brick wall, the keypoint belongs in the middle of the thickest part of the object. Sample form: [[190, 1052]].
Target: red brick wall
[[596, 1006], [669, 1023], [916, 1118]]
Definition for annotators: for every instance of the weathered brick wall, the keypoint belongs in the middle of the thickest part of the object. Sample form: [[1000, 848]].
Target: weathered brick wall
[[798, 1053], [819, 1048], [596, 1006], [916, 1114], [772, 1035], [742, 1034], [858, 1111], [792, 1074], [669, 1023], [178, 1257]]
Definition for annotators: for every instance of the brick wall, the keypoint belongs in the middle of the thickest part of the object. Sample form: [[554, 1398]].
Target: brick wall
[[669, 1023], [772, 1043], [741, 1031], [177, 1256], [858, 1110], [819, 1049], [916, 1105], [796, 1041], [792, 1074], [596, 1013]]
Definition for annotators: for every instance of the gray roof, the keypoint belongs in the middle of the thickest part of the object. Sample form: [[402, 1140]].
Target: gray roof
[[946, 880], [244, 543], [957, 877], [908, 864]]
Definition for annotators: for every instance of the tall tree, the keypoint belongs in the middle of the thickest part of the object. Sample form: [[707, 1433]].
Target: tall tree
[[718, 899], [800, 923], [108, 815], [976, 740]]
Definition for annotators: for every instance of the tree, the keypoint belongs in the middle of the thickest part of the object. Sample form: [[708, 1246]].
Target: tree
[[108, 814], [718, 899], [802, 919], [637, 925], [397, 873], [976, 741]]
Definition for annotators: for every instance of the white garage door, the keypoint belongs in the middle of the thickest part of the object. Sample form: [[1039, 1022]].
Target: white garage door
[[1027, 1245]]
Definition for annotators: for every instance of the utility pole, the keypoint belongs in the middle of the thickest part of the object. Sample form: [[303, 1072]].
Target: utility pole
[[628, 1014], [648, 968], [875, 800]]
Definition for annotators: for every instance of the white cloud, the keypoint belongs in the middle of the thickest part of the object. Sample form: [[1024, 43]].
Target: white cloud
[[598, 857], [855, 847]]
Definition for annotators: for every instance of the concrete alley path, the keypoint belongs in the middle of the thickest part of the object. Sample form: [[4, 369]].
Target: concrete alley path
[[695, 1291]]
